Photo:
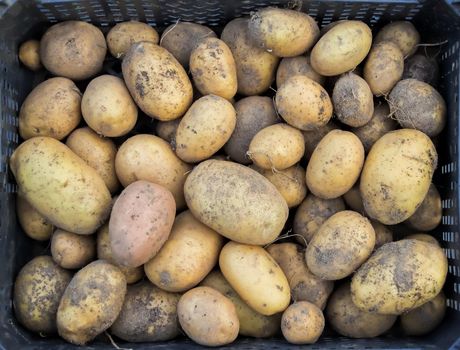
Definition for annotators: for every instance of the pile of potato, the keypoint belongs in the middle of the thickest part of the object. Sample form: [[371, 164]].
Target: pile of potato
[[178, 231]]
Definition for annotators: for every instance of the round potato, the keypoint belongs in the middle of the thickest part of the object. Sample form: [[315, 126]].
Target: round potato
[[401, 33], [277, 146], [37, 291], [399, 277], [423, 68], [302, 323], [51, 109], [32, 222], [424, 237], [124, 34], [167, 130], [29, 54], [303, 103], [354, 201], [429, 214], [72, 251], [205, 128], [73, 49], [299, 65], [313, 137], [208, 317], [383, 234], [397, 175]]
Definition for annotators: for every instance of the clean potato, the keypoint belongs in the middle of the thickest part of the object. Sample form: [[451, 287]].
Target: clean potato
[[429, 214], [302, 323], [124, 34], [32, 222], [167, 130], [299, 65], [403, 34], [29, 54], [313, 137], [72, 251]]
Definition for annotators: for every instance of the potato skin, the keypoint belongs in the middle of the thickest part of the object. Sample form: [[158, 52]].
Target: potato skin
[[383, 234], [91, 302], [429, 214], [37, 291], [302, 323], [256, 277], [124, 34], [167, 130], [299, 65], [353, 200], [72, 251], [422, 68], [397, 175], [424, 237], [403, 34], [208, 317], [140, 223], [32, 222], [313, 137], [51, 109], [148, 314], [64, 189], [399, 277], [29, 55], [157, 82]]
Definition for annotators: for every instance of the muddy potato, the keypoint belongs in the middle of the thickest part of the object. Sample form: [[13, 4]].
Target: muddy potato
[[299, 65], [72, 251], [167, 130], [342, 48], [397, 175], [32, 222], [399, 277], [423, 68], [354, 201], [313, 137], [424, 237], [73, 49], [429, 214], [29, 54], [383, 234], [205, 128], [60, 185], [37, 291], [124, 34], [245, 191], [157, 82], [302, 323], [303, 103], [401, 33]]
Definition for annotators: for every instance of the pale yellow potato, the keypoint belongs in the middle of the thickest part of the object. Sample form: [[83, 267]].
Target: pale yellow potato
[[299, 65], [429, 214], [353, 199], [383, 234], [32, 222], [72, 251], [167, 130], [302, 323], [402, 33], [29, 54], [124, 34], [425, 237], [313, 137]]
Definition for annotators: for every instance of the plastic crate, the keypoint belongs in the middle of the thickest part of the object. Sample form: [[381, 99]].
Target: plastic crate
[[19, 20]]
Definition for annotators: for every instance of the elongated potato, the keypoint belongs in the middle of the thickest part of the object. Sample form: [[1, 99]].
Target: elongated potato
[[299, 65], [32, 222], [403, 34], [313, 137], [429, 214], [124, 34], [302, 323], [72, 251]]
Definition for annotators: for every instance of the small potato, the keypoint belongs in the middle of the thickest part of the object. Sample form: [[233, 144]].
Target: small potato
[[384, 67], [73, 49], [429, 214], [167, 130], [37, 291], [383, 234], [423, 68], [149, 314], [354, 201], [208, 317], [278, 146], [72, 251], [335, 164], [256, 277], [299, 65], [29, 54], [107, 106], [253, 114], [353, 101], [302, 323], [283, 32], [213, 68], [91, 302], [303, 103], [51, 109], [32, 222], [349, 321], [399, 277], [124, 34], [424, 237], [313, 137], [417, 105], [403, 34], [205, 128]]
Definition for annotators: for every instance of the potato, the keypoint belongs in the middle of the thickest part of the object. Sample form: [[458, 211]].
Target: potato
[[423, 68], [429, 214], [140, 223], [417, 105], [384, 67], [157, 82], [32, 222], [72, 251], [302, 323], [181, 38], [299, 65], [342, 48], [353, 199], [397, 175], [283, 32], [149, 314], [213, 68], [29, 54], [124, 34], [349, 321], [303, 103], [167, 130], [252, 323], [278, 146], [305, 286], [353, 101], [208, 317], [205, 128], [399, 277], [424, 237], [60, 185], [383, 234], [258, 211], [107, 106], [256, 277], [149, 158], [425, 318], [401, 33], [335, 164], [312, 213], [255, 67], [313, 137], [73, 49], [51, 109], [37, 291], [91, 302]]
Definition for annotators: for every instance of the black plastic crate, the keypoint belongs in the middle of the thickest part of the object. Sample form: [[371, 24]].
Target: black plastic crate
[[436, 20]]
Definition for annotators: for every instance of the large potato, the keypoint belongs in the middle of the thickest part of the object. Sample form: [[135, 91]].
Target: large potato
[[299, 65], [256, 277], [29, 54], [60, 185], [399, 277], [124, 34], [51, 109], [302, 323], [423, 68], [32, 222], [157, 82], [313, 137], [397, 175], [429, 214], [403, 34], [72, 251], [258, 211]]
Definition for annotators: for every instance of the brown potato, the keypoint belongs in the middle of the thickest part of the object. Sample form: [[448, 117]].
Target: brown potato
[[32, 222], [124, 34], [313, 137], [383, 234], [29, 54], [72, 251], [302, 323], [424, 237], [167, 130], [429, 214], [403, 34], [353, 199], [423, 68], [299, 65]]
